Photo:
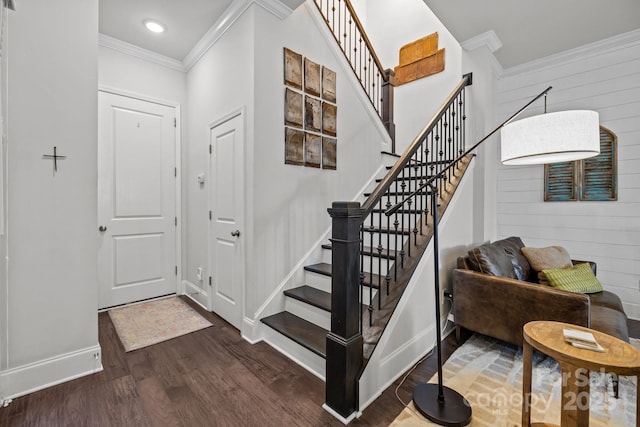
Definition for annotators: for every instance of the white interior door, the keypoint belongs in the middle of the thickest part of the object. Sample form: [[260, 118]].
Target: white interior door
[[227, 219], [136, 200]]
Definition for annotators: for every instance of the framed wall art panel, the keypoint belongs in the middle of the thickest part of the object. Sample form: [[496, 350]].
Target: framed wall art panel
[[329, 113], [293, 108], [313, 150], [329, 153], [293, 147], [311, 77], [328, 85], [312, 114], [292, 68]]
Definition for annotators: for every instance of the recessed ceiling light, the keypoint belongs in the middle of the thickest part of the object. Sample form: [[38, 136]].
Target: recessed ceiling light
[[154, 26]]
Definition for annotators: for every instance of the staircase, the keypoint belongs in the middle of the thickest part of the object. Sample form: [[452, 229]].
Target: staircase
[[307, 317], [338, 312]]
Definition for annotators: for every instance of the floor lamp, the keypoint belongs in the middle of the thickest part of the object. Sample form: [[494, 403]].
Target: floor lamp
[[546, 138]]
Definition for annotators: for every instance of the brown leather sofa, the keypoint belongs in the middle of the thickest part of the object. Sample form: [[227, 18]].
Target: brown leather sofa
[[495, 293]]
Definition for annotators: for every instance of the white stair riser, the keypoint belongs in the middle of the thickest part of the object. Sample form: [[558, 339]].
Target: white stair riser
[[318, 281], [309, 313], [303, 357]]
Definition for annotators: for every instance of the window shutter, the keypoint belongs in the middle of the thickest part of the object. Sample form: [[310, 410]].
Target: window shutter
[[599, 174], [590, 179], [560, 182]]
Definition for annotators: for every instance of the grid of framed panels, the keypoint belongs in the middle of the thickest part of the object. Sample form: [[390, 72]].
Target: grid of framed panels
[[310, 113]]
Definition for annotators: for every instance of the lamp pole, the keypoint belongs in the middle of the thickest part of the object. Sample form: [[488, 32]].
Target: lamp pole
[[440, 404]]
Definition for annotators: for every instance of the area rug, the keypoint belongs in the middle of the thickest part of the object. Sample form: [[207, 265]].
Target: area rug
[[140, 325], [488, 373]]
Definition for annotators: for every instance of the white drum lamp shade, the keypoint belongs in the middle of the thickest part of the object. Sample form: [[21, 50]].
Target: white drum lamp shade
[[551, 137]]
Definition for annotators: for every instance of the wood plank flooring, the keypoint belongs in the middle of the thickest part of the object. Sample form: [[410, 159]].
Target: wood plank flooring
[[208, 378]]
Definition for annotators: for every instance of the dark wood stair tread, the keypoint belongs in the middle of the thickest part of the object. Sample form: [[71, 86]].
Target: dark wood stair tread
[[325, 269], [320, 268], [307, 334], [368, 251], [311, 296]]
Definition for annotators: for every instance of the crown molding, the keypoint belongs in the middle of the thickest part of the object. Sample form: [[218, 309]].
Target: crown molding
[[571, 55], [489, 39], [226, 20], [275, 7], [139, 52], [231, 15], [492, 42], [219, 28]]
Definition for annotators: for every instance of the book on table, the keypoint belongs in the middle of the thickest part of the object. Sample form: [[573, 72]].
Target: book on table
[[582, 339]]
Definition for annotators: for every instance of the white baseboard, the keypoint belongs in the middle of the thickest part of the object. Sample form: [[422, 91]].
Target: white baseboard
[[49, 372], [250, 330], [339, 417], [196, 293]]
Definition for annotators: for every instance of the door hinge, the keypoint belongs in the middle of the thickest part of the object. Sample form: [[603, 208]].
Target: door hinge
[[176, 220], [210, 216], [210, 149], [209, 280], [176, 270], [175, 122], [175, 172]]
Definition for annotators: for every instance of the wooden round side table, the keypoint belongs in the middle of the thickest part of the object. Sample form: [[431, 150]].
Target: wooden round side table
[[547, 337]]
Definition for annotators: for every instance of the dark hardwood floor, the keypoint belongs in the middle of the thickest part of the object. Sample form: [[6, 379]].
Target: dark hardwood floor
[[212, 377]]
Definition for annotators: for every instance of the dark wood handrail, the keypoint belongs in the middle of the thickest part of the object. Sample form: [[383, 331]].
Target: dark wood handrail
[[429, 182], [366, 40], [384, 185]]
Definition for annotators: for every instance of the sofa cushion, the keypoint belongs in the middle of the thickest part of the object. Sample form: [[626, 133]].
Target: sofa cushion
[[578, 278], [547, 258], [609, 321], [501, 258], [606, 299]]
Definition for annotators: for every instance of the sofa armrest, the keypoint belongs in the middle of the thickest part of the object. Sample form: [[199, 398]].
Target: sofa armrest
[[500, 307], [591, 263]]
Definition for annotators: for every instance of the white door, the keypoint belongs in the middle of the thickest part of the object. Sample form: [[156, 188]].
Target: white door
[[136, 200], [227, 203]]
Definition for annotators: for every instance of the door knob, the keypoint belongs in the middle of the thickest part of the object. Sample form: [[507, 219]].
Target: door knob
[[235, 233], [102, 229]]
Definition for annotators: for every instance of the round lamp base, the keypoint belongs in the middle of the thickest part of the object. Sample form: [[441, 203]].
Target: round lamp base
[[454, 411]]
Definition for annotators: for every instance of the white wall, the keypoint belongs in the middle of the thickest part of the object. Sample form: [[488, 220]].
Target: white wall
[[481, 120], [3, 171], [290, 202], [126, 72], [602, 77], [391, 27], [286, 205], [52, 325], [220, 82]]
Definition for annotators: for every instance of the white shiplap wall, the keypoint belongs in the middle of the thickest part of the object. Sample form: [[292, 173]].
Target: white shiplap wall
[[604, 77]]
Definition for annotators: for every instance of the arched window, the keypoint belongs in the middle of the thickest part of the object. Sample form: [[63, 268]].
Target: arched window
[[593, 179]]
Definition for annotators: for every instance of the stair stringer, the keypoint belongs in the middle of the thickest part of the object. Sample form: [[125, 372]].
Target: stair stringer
[[410, 332], [255, 331]]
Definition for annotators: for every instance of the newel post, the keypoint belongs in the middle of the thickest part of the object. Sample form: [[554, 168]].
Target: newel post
[[344, 342], [387, 106]]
